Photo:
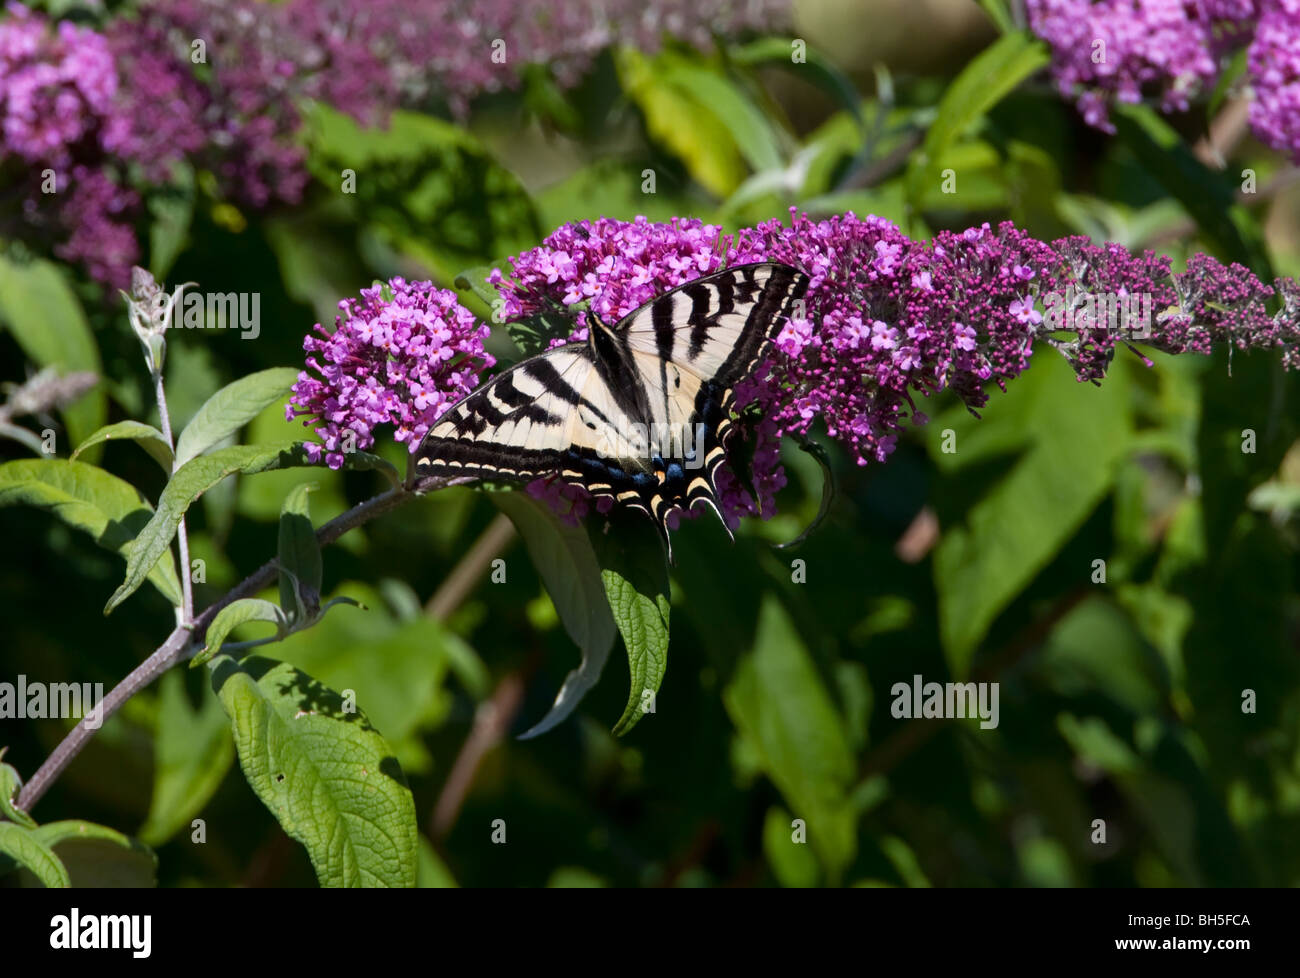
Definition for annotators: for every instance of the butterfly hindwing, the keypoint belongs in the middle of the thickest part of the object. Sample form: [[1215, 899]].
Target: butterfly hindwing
[[640, 413]]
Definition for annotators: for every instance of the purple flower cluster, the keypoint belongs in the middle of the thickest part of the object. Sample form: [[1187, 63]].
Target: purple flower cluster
[[1173, 51], [887, 320], [220, 83], [400, 355]]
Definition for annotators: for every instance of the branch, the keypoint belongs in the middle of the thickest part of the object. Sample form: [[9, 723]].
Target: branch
[[492, 720], [465, 575], [185, 640]]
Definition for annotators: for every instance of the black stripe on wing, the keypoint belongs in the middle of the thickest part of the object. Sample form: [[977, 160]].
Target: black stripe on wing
[[771, 309]]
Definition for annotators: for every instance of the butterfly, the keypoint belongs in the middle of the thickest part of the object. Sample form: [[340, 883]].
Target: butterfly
[[641, 412]]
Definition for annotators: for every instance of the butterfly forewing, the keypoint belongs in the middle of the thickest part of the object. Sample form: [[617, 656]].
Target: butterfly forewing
[[514, 426], [720, 326]]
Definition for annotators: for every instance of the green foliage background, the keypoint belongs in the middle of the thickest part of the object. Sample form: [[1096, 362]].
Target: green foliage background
[[1120, 701]]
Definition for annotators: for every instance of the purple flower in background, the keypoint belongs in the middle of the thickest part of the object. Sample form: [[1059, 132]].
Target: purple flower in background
[[1274, 64], [159, 115], [248, 107], [56, 85], [59, 92], [1125, 49], [220, 84], [1174, 51], [99, 212], [400, 355]]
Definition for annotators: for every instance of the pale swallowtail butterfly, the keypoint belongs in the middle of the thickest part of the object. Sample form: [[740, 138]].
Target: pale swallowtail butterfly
[[623, 414]]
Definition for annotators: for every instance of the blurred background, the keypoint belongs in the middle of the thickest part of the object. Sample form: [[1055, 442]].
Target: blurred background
[[1120, 700]]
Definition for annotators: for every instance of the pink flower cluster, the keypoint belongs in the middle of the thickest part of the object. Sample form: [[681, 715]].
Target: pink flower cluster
[[220, 83], [1124, 50], [400, 355], [611, 266]]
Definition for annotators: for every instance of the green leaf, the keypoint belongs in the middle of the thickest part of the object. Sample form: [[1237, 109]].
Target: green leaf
[[97, 856], [424, 186], [431, 872], [476, 280], [531, 334], [238, 612], [793, 863], [635, 574], [90, 499], [299, 556], [316, 253], [149, 438], [1000, 14], [781, 707], [683, 123], [10, 783], [409, 695], [232, 407], [750, 129], [545, 99], [1207, 196], [43, 314], [989, 78], [326, 775], [189, 482], [21, 845], [608, 187], [359, 461], [1071, 437], [816, 67], [193, 750], [566, 563], [574, 878]]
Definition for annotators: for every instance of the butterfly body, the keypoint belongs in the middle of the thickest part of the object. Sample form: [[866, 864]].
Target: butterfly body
[[640, 413]]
